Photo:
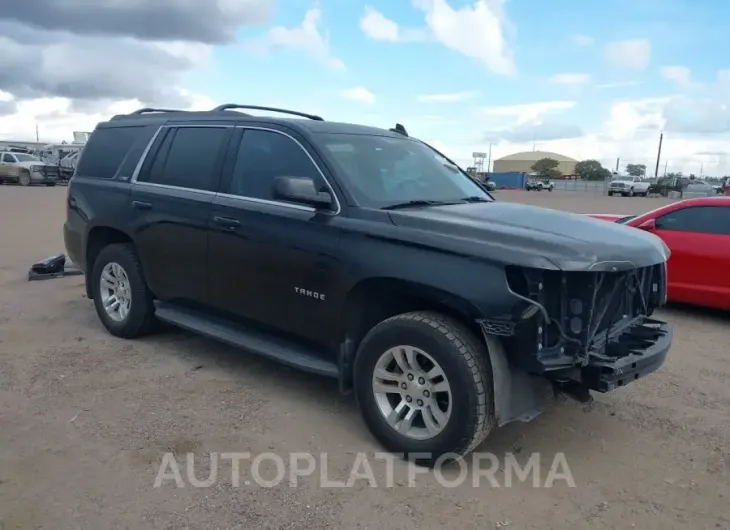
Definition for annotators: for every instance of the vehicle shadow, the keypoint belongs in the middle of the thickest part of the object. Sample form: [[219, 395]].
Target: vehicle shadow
[[565, 427]]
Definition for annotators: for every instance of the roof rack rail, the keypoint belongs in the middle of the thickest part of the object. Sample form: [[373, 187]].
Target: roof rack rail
[[231, 106], [399, 129], [148, 110]]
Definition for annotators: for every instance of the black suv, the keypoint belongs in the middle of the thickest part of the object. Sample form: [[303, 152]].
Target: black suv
[[365, 255]]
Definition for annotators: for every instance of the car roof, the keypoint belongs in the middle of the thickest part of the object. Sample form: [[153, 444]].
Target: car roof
[[306, 124]]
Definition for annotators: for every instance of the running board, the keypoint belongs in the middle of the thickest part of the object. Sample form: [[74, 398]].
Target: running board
[[263, 344]]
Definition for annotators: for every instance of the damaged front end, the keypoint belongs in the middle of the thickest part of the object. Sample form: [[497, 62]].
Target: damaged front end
[[585, 330]]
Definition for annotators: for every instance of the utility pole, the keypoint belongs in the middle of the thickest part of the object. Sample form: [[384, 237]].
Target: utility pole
[[617, 161], [489, 159], [659, 155], [36, 133], [665, 167], [702, 166]]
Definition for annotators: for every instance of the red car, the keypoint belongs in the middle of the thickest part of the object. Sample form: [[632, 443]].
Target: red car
[[697, 231]]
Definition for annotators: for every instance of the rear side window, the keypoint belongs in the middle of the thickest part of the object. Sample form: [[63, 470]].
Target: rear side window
[[105, 151], [188, 157]]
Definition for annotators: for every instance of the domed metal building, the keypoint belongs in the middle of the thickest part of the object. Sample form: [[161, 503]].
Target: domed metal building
[[524, 161]]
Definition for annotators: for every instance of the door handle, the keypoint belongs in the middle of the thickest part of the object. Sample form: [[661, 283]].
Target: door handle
[[226, 222], [139, 205]]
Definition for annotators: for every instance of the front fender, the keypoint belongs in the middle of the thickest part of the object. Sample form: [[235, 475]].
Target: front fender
[[517, 396]]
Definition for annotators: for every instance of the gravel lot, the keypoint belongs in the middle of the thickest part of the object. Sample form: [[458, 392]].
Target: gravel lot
[[86, 418]]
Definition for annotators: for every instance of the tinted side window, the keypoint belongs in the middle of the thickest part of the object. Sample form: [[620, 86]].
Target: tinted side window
[[8, 158], [265, 155], [702, 219], [188, 157], [106, 149]]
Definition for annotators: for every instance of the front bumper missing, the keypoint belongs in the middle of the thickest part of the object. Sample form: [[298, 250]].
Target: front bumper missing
[[605, 374]]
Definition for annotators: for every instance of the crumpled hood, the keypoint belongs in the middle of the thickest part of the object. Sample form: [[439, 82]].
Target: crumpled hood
[[537, 237]]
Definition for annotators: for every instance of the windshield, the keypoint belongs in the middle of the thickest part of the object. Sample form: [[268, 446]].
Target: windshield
[[626, 219], [382, 171], [22, 157]]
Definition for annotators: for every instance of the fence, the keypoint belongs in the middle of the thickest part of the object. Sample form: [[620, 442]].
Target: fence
[[586, 186]]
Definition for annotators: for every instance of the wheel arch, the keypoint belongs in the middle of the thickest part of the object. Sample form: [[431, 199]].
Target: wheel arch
[[373, 300], [100, 236]]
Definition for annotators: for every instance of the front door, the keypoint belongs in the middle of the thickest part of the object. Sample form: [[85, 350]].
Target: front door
[[271, 261], [699, 239], [170, 202]]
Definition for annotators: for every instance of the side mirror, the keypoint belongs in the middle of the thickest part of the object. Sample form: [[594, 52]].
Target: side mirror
[[301, 190], [649, 225]]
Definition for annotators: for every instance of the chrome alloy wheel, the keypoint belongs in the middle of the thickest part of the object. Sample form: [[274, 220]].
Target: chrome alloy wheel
[[412, 392], [116, 293]]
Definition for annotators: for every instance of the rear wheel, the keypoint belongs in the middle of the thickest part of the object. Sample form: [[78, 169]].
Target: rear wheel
[[121, 297], [50, 184], [423, 382]]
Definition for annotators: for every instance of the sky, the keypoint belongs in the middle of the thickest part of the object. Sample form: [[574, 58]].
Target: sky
[[598, 80]]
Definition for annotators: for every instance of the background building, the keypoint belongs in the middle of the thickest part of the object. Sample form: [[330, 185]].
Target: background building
[[524, 161]]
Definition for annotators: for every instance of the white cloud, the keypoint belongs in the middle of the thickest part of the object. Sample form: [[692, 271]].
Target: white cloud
[[634, 54], [570, 79], [528, 112], [618, 84], [446, 98], [360, 94], [476, 31], [582, 40], [379, 27], [57, 119], [681, 75], [306, 38]]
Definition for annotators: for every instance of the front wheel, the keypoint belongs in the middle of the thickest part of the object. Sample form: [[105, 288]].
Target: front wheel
[[121, 297], [423, 382], [24, 179]]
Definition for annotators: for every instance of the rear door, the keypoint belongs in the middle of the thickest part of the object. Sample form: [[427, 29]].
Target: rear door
[[699, 239], [171, 198]]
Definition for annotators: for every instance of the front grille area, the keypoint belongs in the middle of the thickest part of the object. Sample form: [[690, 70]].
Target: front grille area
[[50, 172], [571, 318]]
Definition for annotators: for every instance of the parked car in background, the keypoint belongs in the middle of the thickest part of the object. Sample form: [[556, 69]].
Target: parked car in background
[[628, 186], [697, 232], [539, 185], [698, 188], [25, 169]]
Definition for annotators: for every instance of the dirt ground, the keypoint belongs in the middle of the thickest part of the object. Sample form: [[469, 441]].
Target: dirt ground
[[85, 419]]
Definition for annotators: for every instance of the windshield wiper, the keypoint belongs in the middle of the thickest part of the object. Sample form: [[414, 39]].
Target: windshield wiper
[[475, 198], [412, 204]]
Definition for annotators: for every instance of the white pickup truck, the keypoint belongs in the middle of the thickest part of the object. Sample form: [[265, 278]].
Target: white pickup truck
[[628, 186]]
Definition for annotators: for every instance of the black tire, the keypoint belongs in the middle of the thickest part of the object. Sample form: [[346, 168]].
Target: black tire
[[465, 361], [24, 179], [50, 184], [141, 318], [610, 194]]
